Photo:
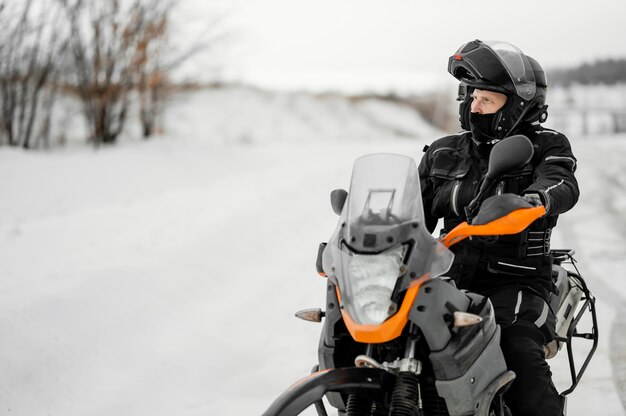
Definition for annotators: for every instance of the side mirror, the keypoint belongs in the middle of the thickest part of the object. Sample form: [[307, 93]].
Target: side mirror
[[338, 200], [509, 154]]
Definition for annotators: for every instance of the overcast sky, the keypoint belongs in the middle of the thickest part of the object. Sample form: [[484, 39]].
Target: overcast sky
[[352, 44]]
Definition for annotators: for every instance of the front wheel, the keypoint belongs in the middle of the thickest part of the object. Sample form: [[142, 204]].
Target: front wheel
[[311, 389], [362, 381]]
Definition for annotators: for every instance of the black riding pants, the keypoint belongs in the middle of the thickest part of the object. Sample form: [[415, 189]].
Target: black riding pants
[[527, 324]]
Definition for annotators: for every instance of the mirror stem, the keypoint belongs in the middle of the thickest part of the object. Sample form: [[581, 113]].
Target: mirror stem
[[470, 210]]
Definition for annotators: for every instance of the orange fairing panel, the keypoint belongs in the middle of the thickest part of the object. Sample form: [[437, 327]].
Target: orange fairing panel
[[512, 223], [392, 327]]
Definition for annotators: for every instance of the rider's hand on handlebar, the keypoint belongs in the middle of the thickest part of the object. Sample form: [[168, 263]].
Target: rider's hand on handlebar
[[534, 199]]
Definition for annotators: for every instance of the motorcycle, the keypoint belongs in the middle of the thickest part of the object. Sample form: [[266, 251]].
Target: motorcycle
[[399, 338]]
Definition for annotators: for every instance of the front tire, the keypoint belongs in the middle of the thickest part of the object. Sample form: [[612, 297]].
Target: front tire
[[312, 388]]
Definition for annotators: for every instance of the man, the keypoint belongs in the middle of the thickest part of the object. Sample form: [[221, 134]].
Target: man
[[503, 93]]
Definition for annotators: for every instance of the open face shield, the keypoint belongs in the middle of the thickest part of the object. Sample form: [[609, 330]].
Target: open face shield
[[495, 66]]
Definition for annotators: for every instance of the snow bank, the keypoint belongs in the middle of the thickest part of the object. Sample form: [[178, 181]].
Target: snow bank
[[161, 277], [247, 115]]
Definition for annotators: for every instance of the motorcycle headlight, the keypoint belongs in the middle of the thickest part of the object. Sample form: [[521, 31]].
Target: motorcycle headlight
[[372, 279]]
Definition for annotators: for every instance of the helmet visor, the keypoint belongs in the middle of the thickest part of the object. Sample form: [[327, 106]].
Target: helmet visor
[[495, 63]]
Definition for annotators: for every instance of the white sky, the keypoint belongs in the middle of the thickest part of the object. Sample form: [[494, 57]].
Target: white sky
[[373, 43]]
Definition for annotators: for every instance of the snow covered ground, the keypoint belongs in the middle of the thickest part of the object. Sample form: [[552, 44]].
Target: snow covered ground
[[161, 277]]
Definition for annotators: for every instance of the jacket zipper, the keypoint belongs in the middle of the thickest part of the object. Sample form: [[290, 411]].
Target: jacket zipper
[[500, 188]]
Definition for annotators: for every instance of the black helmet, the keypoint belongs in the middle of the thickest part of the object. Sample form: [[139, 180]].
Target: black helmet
[[501, 67]]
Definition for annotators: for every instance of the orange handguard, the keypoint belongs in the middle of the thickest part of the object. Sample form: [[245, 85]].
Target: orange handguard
[[512, 223]]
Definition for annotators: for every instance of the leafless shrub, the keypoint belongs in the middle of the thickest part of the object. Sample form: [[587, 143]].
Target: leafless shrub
[[152, 77], [104, 53], [161, 55], [31, 39], [104, 40]]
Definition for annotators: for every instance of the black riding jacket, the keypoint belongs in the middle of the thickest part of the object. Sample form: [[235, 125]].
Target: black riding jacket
[[451, 171]]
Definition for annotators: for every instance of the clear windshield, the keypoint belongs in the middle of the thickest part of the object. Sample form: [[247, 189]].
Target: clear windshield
[[385, 190], [381, 244]]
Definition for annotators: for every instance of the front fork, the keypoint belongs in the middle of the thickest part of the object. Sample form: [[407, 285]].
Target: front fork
[[406, 397]]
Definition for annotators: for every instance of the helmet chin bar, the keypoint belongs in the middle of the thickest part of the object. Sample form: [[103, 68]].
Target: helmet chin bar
[[510, 116]]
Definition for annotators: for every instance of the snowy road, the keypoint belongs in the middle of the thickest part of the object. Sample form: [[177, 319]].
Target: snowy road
[[597, 228], [162, 279]]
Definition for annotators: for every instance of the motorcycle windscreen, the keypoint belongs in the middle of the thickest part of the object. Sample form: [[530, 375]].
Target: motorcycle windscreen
[[385, 246], [385, 190]]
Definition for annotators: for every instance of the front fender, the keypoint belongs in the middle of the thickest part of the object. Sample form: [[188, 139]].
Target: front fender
[[312, 388]]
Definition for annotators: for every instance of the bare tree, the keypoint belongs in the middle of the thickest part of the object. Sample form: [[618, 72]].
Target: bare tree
[[30, 41], [11, 68], [107, 39], [101, 51], [159, 58], [49, 44], [152, 79]]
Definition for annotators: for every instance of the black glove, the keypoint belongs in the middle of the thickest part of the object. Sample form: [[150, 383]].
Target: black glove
[[538, 198], [534, 199]]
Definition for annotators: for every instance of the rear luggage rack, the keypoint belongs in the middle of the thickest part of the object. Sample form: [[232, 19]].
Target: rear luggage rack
[[588, 304]]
